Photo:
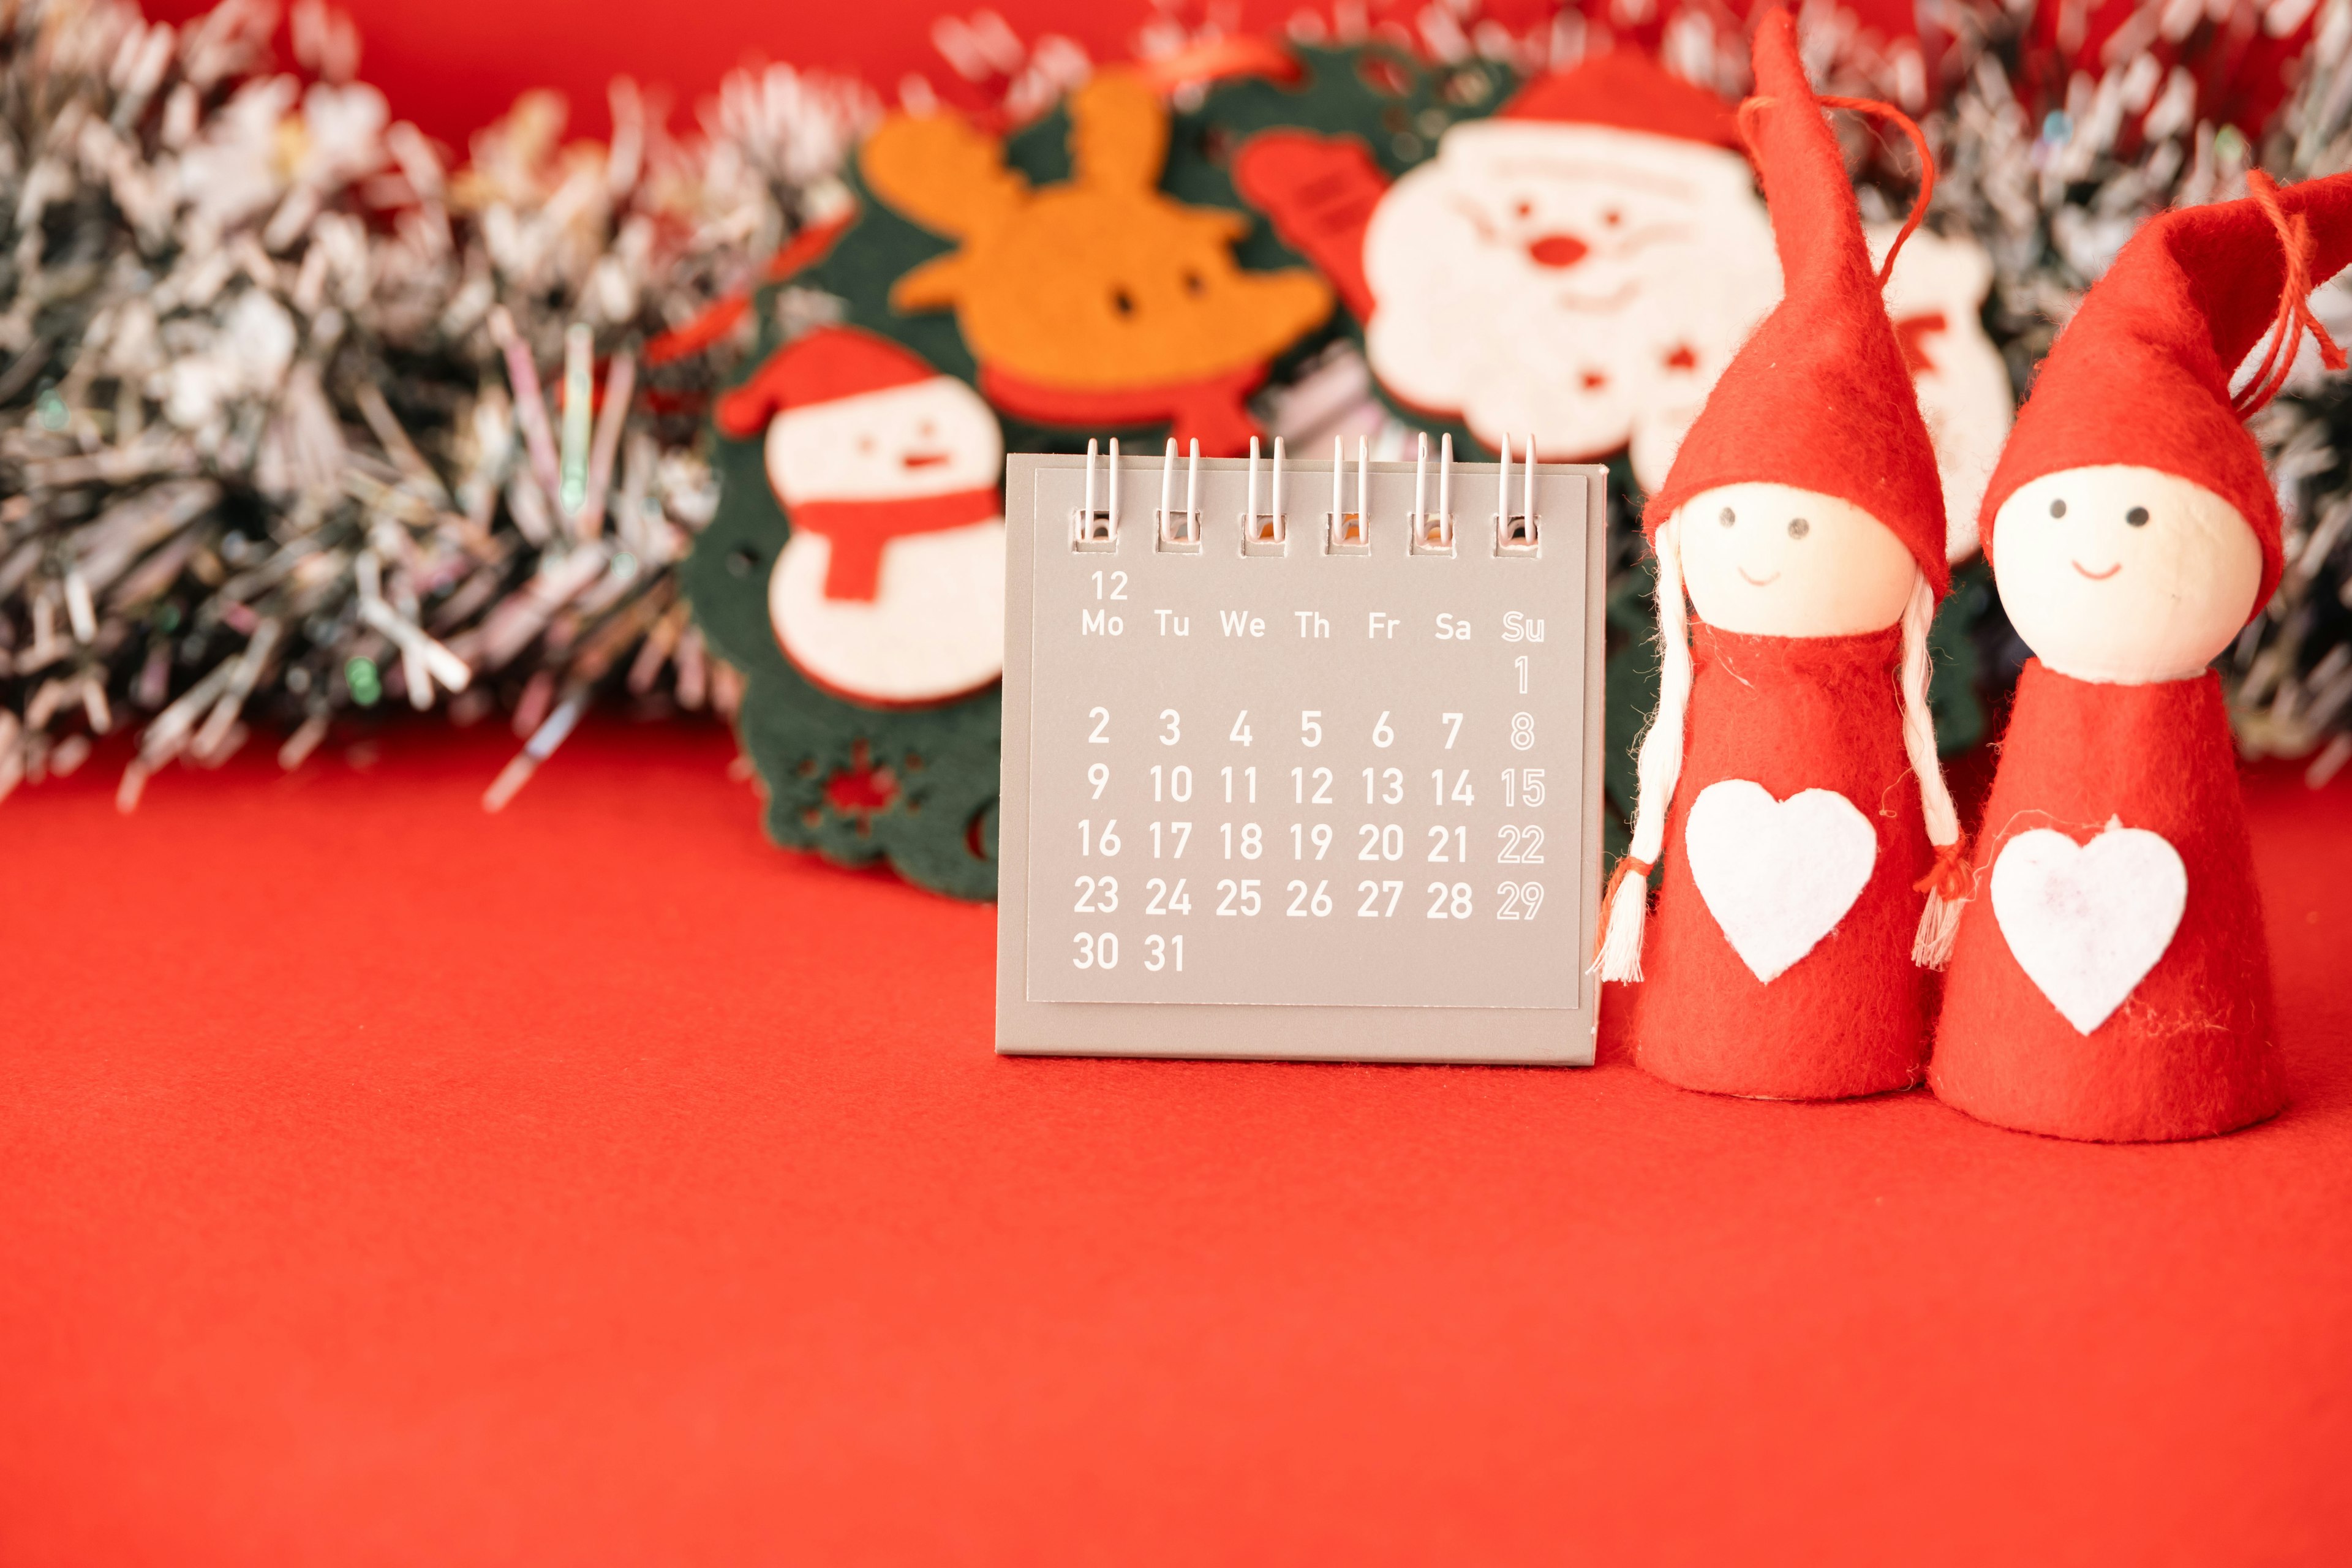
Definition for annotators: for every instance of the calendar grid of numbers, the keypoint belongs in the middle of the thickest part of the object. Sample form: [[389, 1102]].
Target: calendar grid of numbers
[[1312, 776]]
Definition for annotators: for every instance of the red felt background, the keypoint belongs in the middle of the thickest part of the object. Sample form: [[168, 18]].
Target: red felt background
[[383, 1182], [389, 1183], [451, 64]]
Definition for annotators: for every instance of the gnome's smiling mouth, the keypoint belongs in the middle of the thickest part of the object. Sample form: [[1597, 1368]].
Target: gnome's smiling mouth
[[1760, 582], [921, 459], [2096, 577]]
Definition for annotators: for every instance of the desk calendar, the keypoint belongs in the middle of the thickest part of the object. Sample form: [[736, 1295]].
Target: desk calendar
[[1301, 760]]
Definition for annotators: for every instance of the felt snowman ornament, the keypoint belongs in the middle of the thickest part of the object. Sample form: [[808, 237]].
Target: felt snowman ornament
[[2112, 980], [890, 590], [1788, 782]]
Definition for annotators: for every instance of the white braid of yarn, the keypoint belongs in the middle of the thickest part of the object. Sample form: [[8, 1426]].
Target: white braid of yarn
[[1940, 922], [1659, 768]]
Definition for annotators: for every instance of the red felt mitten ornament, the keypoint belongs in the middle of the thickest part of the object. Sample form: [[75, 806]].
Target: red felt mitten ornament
[[2112, 980], [1789, 785]]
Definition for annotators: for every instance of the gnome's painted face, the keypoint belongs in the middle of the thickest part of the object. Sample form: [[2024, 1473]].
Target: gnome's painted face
[[2124, 574], [1774, 561], [1564, 279], [928, 439]]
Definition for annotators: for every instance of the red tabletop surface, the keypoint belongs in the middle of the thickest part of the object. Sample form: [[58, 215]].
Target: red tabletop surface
[[386, 1183]]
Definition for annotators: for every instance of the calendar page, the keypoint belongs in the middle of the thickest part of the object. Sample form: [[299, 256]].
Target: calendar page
[[1301, 777]]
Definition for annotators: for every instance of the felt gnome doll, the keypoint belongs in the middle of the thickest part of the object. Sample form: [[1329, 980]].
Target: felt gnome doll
[[1789, 784], [890, 591], [2111, 979]]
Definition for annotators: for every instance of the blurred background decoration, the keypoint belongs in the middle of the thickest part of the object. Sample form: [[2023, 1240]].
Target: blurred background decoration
[[306, 416]]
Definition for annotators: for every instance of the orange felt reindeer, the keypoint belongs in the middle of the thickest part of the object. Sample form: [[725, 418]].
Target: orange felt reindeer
[[1098, 302]]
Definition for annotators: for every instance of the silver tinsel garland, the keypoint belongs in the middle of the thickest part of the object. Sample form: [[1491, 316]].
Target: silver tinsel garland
[[274, 440], [297, 420], [2054, 190]]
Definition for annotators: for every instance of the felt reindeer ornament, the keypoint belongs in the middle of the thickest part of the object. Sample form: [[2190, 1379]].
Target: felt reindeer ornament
[[2111, 980], [1789, 783], [1098, 302]]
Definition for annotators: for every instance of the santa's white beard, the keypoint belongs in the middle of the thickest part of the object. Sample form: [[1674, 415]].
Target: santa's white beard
[[1465, 327]]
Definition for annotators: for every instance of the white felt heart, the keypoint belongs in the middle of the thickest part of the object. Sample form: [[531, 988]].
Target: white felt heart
[[1778, 875], [2087, 921]]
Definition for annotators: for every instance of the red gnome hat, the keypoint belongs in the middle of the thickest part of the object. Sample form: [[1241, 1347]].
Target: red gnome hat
[[1818, 397], [2141, 375], [821, 366], [1624, 89]]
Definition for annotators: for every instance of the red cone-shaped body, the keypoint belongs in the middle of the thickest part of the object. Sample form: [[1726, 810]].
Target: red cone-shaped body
[[2141, 375], [2187, 1050], [1818, 396], [1849, 1017]]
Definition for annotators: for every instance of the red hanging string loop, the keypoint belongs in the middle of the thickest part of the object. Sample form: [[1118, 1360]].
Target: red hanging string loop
[[1951, 875], [2293, 317], [1750, 108], [1873, 109]]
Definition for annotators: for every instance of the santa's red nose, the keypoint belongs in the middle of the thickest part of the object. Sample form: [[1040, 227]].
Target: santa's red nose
[[1557, 250]]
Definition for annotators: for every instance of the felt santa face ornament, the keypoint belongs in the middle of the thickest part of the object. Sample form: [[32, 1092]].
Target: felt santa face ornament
[[890, 591], [1560, 268], [2112, 980], [1789, 782], [1583, 264]]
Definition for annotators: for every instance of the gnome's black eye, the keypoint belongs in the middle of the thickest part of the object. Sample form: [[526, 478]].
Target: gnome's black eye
[[2136, 517], [1799, 528], [1123, 302], [2057, 509], [1727, 518]]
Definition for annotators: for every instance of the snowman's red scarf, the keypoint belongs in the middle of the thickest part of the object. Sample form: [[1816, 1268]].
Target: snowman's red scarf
[[859, 529], [1209, 410]]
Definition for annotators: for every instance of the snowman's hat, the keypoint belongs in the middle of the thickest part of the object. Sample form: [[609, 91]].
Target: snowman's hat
[[1624, 89], [822, 366], [2140, 377], [1818, 396]]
